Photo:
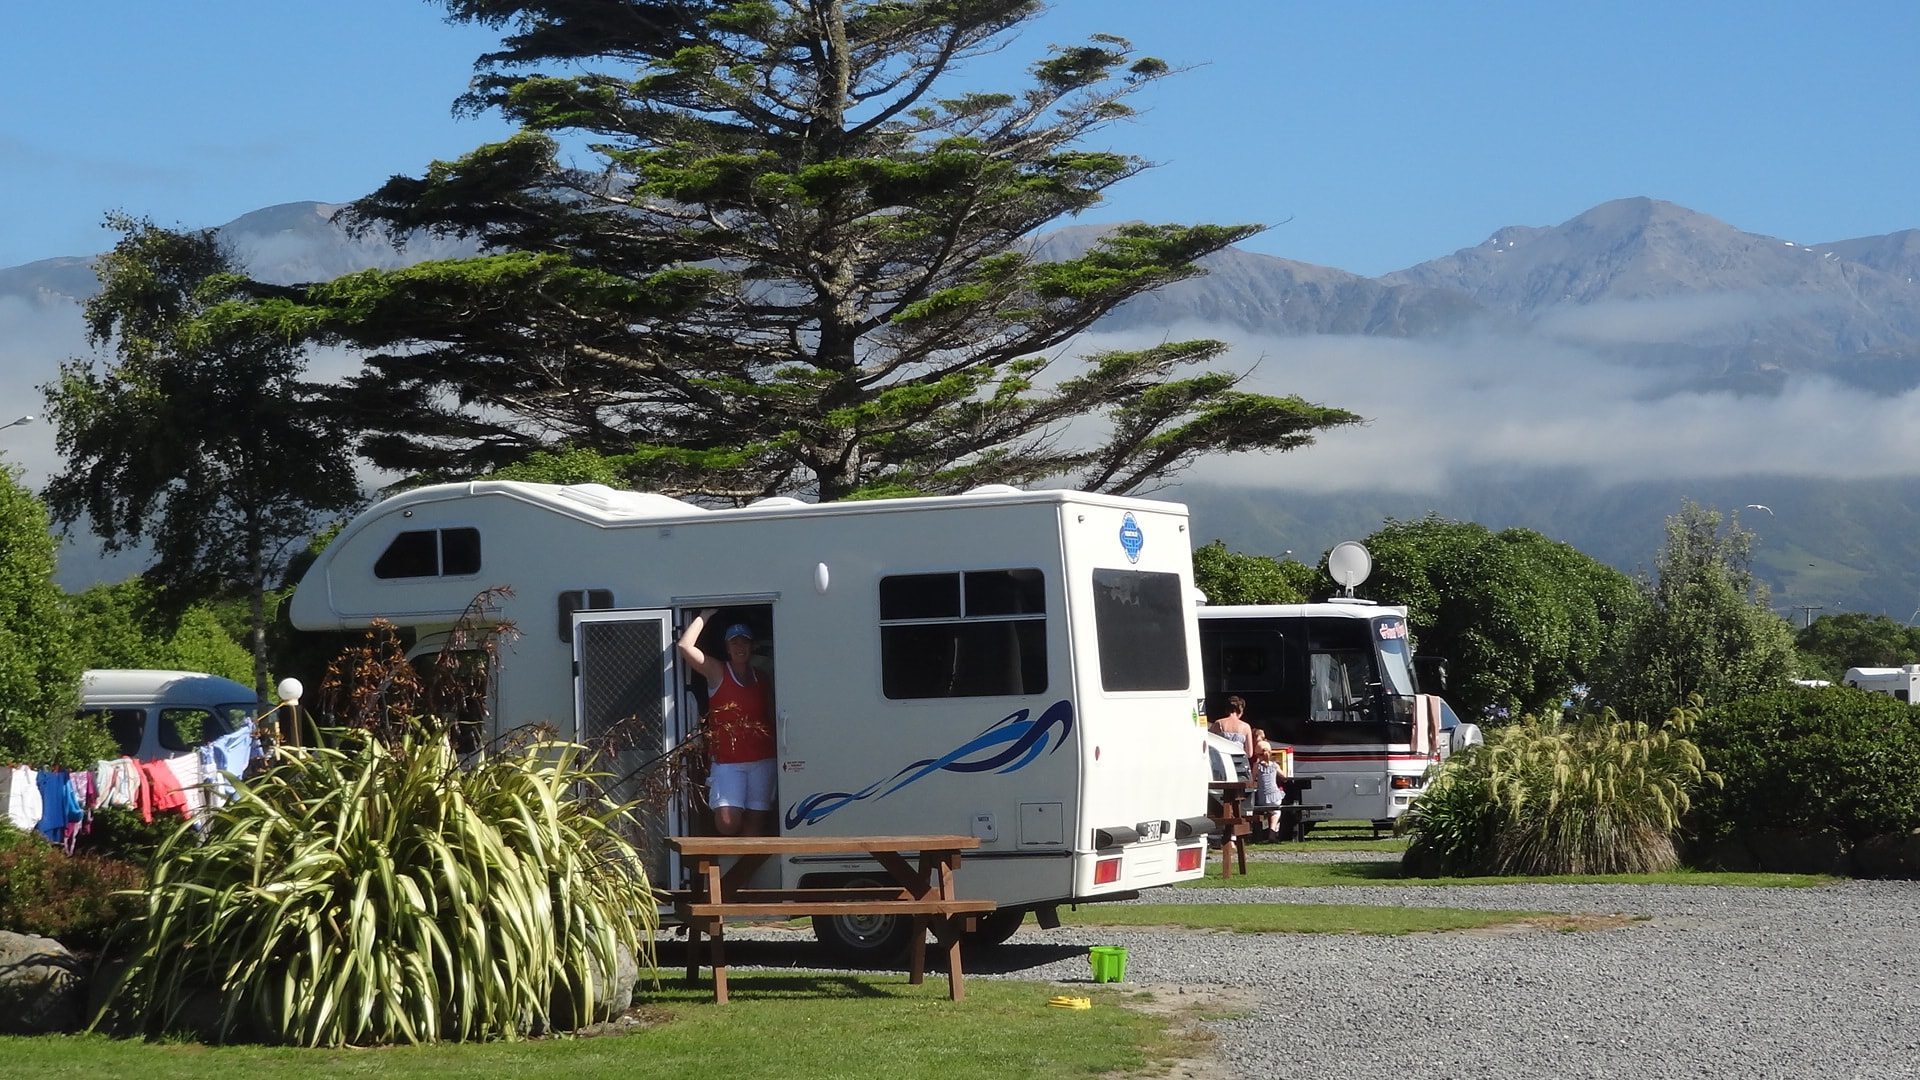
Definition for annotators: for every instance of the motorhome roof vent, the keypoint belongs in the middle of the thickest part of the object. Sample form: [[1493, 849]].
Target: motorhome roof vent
[[992, 489], [777, 500], [629, 504]]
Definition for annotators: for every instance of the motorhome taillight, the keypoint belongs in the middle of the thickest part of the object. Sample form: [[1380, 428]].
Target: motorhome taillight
[[1404, 783], [1189, 857], [1106, 871]]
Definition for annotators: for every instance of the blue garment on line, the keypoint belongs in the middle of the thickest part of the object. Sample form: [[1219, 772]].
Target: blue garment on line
[[58, 806], [230, 754]]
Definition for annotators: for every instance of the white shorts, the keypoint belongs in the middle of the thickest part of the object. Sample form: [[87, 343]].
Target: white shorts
[[747, 784]]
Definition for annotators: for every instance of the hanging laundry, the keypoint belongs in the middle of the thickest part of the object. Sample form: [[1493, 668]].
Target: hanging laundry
[[23, 797], [159, 790], [57, 806], [116, 782], [225, 757], [80, 786], [190, 776]]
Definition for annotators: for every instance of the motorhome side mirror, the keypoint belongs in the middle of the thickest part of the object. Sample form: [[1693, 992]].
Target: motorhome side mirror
[[1432, 673]]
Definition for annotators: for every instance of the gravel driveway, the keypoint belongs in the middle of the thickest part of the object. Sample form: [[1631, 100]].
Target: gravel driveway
[[1714, 982], [1734, 982]]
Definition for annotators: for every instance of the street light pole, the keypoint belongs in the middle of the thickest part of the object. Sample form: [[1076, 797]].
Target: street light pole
[[27, 419]]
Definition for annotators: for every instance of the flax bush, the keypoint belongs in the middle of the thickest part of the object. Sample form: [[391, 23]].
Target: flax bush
[[1596, 795], [382, 893]]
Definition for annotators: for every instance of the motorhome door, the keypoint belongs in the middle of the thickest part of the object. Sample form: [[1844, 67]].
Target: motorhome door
[[623, 702]]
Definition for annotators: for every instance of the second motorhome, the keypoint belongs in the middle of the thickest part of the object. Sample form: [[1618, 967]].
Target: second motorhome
[[1335, 681], [1018, 666]]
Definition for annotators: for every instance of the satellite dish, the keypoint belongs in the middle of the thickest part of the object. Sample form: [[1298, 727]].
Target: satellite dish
[[1349, 564]]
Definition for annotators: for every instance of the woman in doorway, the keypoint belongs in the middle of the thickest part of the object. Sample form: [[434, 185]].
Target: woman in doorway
[[739, 729]]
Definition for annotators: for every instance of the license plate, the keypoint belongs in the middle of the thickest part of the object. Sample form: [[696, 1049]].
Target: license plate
[[1150, 830]]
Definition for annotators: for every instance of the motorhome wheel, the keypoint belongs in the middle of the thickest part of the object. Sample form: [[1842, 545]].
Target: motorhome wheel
[[865, 940], [994, 928]]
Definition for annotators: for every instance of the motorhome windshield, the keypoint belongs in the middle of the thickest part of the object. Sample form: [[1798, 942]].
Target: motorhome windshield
[[1396, 658]]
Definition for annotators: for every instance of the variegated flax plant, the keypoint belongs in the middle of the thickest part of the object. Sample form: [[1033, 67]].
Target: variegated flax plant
[[390, 885], [1593, 795]]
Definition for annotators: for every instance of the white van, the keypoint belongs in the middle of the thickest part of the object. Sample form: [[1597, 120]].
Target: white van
[[1020, 666], [156, 714]]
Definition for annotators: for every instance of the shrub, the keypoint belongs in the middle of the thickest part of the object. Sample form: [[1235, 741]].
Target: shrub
[[1559, 796], [119, 833], [1811, 760], [376, 894], [77, 900]]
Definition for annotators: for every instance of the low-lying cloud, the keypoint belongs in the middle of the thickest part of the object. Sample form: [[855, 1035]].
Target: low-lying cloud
[[1444, 412]]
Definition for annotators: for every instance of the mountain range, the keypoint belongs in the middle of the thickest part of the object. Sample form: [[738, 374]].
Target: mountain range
[[1580, 379]]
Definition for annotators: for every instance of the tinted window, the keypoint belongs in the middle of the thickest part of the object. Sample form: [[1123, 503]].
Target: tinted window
[[430, 553], [580, 600], [978, 659], [1005, 592], [1243, 661], [459, 551], [981, 633], [412, 554], [1141, 619], [920, 596]]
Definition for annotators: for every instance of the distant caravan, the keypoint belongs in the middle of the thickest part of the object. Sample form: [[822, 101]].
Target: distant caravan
[[1901, 683]]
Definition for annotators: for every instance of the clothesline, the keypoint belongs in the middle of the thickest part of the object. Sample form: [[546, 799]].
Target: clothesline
[[59, 804]]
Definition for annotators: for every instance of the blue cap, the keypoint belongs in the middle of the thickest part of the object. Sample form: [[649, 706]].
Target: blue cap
[[738, 629]]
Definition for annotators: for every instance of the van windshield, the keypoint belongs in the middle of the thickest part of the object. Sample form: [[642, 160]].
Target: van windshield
[[186, 728]]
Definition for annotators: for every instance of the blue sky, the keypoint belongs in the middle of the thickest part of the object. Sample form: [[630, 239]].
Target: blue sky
[[1372, 135]]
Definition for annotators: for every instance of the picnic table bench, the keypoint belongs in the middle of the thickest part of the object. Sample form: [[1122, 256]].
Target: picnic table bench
[[922, 868]]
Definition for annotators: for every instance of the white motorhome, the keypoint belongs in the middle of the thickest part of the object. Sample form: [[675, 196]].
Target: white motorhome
[[154, 713], [1335, 681], [1016, 665], [1897, 682]]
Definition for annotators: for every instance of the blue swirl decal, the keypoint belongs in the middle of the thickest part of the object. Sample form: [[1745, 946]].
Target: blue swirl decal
[[1009, 745]]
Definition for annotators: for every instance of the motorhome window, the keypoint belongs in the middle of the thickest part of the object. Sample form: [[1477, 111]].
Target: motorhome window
[[1141, 620], [430, 553], [459, 552], [581, 600], [977, 633], [920, 596], [1246, 662], [1005, 592]]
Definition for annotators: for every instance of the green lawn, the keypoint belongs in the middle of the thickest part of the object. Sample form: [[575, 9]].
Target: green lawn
[[786, 1025], [1387, 872]]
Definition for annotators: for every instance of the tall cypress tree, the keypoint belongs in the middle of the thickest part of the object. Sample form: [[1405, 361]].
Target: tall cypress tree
[[197, 432], [746, 248]]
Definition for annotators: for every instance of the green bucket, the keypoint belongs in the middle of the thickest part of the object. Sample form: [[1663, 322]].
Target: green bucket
[[1109, 963]]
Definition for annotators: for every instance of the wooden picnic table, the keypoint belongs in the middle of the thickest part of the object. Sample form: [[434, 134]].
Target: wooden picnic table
[[1232, 824], [923, 869]]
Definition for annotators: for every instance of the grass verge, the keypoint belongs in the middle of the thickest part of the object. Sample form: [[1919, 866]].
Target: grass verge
[[1325, 918], [825, 1025], [1265, 874]]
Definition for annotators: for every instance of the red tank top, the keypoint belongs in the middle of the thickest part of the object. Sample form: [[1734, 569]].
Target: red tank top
[[740, 720]]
